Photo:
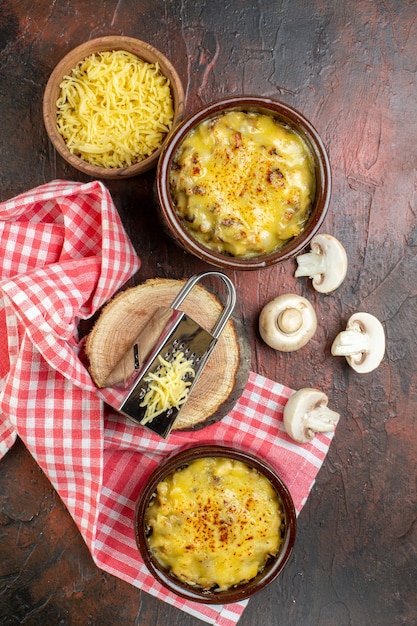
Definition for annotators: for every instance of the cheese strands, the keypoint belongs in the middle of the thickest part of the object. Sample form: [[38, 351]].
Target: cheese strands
[[167, 387], [114, 109]]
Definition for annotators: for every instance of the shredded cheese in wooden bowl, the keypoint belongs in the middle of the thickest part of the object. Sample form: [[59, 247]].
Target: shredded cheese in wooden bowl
[[109, 105], [114, 109]]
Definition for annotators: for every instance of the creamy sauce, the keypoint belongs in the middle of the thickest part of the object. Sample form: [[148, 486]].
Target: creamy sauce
[[243, 183], [215, 523]]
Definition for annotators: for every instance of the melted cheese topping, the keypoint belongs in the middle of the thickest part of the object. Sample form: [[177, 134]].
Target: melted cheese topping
[[168, 386], [215, 523], [243, 183], [114, 109]]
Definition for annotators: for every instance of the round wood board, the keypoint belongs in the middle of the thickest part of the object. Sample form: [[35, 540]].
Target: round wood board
[[226, 373]]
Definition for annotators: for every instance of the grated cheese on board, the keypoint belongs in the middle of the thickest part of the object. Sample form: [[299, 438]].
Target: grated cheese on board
[[114, 109], [168, 386]]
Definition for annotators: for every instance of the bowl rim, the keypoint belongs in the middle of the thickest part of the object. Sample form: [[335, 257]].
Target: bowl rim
[[143, 50], [280, 110], [246, 590]]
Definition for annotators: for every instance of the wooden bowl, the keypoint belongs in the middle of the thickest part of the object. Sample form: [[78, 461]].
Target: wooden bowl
[[237, 593], [284, 114], [144, 51]]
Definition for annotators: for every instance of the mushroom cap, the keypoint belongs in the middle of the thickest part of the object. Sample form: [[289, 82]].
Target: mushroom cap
[[287, 322], [326, 264], [306, 413], [362, 343]]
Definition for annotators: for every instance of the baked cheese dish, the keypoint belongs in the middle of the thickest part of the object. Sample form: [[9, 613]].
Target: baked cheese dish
[[215, 523], [243, 183]]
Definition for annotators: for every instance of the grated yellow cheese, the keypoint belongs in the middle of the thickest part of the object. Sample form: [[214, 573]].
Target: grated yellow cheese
[[168, 387], [215, 523], [114, 109]]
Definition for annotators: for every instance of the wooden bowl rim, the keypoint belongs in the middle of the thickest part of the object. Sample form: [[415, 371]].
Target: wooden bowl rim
[[141, 49]]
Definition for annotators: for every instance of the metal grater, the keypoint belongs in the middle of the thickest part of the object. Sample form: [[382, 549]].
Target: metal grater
[[168, 331]]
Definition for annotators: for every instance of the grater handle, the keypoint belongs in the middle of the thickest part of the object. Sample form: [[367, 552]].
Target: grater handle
[[228, 307]]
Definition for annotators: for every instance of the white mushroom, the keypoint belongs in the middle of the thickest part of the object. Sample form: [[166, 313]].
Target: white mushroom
[[326, 263], [287, 322], [306, 413], [362, 343]]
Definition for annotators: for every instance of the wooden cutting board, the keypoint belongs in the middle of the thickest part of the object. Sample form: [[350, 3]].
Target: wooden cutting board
[[226, 373]]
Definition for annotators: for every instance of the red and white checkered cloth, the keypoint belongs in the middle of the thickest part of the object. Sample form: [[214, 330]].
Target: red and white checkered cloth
[[63, 253]]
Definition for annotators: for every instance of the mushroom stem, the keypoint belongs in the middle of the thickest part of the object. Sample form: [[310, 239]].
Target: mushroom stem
[[321, 420], [310, 264], [350, 343], [290, 321]]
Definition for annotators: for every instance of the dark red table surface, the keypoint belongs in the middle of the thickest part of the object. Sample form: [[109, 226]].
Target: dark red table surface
[[350, 67]]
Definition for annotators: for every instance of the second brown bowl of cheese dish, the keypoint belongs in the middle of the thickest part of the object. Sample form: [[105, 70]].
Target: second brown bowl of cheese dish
[[215, 524], [244, 183]]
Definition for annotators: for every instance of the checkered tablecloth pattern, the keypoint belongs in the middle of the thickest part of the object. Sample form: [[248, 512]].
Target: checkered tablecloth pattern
[[64, 253]]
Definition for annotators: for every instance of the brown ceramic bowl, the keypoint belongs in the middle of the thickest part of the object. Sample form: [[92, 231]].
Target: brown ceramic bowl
[[144, 51], [284, 114], [240, 592]]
